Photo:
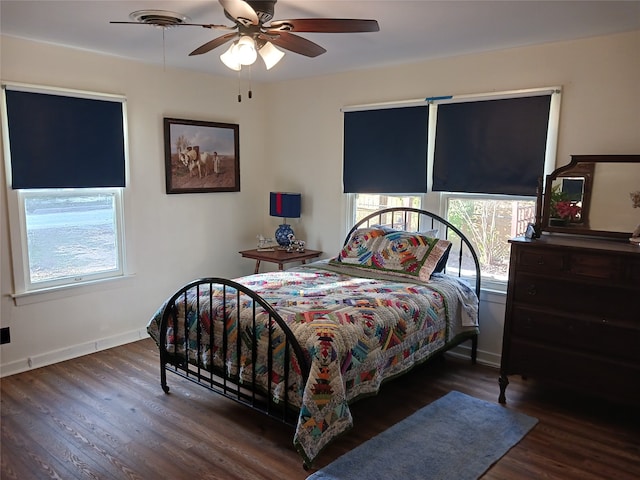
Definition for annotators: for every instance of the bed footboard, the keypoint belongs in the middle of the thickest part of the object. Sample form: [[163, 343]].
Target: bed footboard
[[228, 330]]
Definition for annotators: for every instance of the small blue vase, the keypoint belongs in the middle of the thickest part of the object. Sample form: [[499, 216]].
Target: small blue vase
[[282, 234]]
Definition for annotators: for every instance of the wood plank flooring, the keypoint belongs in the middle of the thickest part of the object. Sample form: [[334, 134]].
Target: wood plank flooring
[[104, 416]]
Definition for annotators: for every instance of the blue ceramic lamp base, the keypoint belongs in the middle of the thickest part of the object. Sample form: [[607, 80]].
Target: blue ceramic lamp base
[[282, 234]]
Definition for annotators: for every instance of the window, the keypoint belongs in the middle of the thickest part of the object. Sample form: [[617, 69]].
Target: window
[[71, 236], [65, 158], [508, 203], [368, 203], [487, 221]]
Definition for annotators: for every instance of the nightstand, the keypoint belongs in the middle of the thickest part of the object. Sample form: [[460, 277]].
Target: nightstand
[[279, 256]]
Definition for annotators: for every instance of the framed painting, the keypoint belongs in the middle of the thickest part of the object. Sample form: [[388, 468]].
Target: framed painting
[[201, 156]]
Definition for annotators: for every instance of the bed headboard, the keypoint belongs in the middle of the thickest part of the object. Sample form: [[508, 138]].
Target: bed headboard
[[463, 259]]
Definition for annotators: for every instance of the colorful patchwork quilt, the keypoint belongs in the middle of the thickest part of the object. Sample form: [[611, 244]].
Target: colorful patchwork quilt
[[357, 331]]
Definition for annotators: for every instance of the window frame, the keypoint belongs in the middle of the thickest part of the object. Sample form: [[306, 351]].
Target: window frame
[[24, 195], [437, 202], [489, 283], [24, 292]]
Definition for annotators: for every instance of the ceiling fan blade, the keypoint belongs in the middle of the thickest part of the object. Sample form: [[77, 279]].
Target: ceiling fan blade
[[216, 42], [294, 43], [203, 25], [240, 11], [325, 25]]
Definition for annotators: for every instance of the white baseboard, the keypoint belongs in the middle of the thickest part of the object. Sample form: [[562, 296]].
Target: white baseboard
[[49, 358], [483, 358], [68, 353]]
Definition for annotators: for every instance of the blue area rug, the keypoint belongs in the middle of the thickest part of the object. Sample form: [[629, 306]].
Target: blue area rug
[[456, 437]]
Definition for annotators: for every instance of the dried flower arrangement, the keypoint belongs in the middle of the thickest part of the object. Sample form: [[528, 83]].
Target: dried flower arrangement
[[563, 208]]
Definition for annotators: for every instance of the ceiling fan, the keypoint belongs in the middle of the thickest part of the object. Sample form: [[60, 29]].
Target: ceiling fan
[[254, 33]]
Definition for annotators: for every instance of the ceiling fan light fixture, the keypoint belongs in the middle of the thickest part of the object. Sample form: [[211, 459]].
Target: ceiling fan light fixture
[[245, 50], [230, 60], [252, 30], [270, 54]]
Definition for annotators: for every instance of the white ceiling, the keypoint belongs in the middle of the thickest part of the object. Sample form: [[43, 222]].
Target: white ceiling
[[409, 30]]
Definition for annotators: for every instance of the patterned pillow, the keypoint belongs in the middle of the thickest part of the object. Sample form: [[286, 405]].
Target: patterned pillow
[[396, 252], [431, 232], [442, 263]]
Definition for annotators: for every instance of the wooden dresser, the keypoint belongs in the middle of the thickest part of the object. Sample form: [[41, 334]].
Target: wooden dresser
[[573, 315]]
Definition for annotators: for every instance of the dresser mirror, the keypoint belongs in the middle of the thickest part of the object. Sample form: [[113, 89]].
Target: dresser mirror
[[592, 196]]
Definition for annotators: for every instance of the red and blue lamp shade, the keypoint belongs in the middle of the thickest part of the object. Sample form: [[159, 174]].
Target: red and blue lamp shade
[[285, 205]]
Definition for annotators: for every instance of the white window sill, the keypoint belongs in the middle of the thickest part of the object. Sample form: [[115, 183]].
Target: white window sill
[[491, 295], [63, 291]]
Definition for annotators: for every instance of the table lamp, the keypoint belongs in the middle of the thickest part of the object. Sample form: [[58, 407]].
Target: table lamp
[[285, 205]]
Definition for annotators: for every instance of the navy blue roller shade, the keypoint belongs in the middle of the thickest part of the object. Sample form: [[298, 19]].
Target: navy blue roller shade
[[58, 141], [491, 146], [385, 151]]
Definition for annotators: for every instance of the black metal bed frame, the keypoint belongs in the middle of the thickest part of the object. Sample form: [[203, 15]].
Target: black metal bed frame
[[188, 364], [218, 379]]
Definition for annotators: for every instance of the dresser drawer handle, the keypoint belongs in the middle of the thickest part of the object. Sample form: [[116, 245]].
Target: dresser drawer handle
[[540, 260], [532, 290]]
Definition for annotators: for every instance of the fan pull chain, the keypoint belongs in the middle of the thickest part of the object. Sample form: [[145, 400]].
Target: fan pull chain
[[164, 57], [250, 91]]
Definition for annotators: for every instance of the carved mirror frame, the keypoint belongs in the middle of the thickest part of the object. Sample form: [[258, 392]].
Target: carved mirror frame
[[581, 167]]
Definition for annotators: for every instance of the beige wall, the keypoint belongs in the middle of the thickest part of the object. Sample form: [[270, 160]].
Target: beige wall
[[600, 111], [171, 238], [600, 114], [296, 147]]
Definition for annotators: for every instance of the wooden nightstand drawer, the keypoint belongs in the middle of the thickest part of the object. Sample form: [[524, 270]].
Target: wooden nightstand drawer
[[281, 257]]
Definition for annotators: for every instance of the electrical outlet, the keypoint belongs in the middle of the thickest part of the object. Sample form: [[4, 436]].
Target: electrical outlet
[[5, 337]]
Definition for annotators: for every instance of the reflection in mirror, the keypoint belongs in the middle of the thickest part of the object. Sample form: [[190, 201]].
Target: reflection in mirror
[[573, 188], [592, 195], [611, 205], [567, 194]]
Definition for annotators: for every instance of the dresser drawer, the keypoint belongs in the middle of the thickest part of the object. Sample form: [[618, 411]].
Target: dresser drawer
[[604, 267], [550, 329], [620, 339], [593, 374], [605, 301], [567, 263], [634, 271], [536, 260]]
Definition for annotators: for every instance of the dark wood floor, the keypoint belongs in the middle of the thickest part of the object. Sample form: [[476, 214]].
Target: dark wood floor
[[104, 416]]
